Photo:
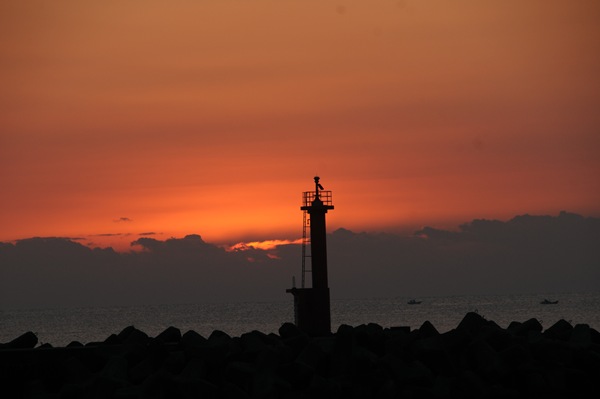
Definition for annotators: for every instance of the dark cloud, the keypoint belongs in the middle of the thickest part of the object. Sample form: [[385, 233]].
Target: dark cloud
[[524, 254], [122, 219], [60, 272], [54, 238], [109, 235], [529, 254], [149, 233]]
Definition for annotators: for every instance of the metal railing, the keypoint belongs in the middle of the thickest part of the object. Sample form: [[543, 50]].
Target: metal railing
[[309, 196]]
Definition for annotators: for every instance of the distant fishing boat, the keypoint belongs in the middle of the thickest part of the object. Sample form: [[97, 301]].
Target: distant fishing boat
[[547, 302], [414, 302]]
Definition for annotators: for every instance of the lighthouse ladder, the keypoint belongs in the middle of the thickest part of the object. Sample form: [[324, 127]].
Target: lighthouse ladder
[[305, 243]]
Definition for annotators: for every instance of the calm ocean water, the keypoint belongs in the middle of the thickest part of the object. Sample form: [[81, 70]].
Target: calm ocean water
[[62, 326]]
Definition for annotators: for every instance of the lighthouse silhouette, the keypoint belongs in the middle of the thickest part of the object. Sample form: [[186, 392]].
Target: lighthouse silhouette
[[311, 304]]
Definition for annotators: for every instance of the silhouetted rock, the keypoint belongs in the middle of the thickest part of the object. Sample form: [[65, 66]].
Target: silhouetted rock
[[581, 336], [477, 359], [522, 329], [170, 335], [192, 339], [253, 343], [131, 335], [595, 336], [289, 330], [113, 339], [472, 323], [427, 330], [27, 340], [560, 330], [218, 335]]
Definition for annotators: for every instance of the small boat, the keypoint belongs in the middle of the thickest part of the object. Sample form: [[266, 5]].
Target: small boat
[[547, 302], [414, 302]]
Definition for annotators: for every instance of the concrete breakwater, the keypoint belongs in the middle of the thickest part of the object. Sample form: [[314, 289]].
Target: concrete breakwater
[[477, 359]]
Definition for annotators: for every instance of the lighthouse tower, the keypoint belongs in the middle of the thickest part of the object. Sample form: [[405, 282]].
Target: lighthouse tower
[[311, 304]]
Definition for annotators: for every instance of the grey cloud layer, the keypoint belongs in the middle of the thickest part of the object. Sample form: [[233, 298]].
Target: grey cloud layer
[[525, 254]]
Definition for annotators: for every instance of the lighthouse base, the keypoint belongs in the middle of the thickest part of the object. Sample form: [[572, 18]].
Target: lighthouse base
[[311, 310]]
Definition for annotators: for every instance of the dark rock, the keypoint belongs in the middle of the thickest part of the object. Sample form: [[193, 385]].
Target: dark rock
[[534, 337], [323, 387], [75, 370], [472, 323], [415, 374], [296, 344], [397, 341], [532, 325], [371, 336], [427, 330], [560, 330], [315, 354], [595, 336], [431, 352], [93, 358], [345, 329], [170, 335], [289, 330], [194, 369], [477, 359], [400, 329], [581, 336], [174, 362], [297, 374], [239, 374], [516, 354], [485, 361], [135, 353], [388, 389], [217, 348], [160, 384], [142, 370], [116, 369], [232, 391], [25, 341], [192, 339], [536, 385], [113, 339], [469, 385], [455, 340], [131, 335], [126, 332], [218, 335], [195, 388], [253, 343], [498, 338], [194, 345], [552, 353], [522, 329], [514, 327]]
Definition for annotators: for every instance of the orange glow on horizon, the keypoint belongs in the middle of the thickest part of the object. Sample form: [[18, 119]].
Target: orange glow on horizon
[[264, 245], [211, 118]]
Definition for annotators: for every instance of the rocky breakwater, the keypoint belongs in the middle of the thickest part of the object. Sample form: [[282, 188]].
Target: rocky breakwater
[[478, 359]]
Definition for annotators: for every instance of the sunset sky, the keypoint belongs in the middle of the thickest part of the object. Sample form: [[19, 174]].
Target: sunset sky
[[121, 119]]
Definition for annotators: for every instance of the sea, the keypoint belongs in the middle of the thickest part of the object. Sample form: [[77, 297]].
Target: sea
[[59, 327]]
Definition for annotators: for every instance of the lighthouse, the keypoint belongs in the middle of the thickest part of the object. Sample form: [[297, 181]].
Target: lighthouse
[[311, 304]]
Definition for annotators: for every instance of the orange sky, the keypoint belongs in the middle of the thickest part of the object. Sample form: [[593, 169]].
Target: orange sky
[[212, 117]]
